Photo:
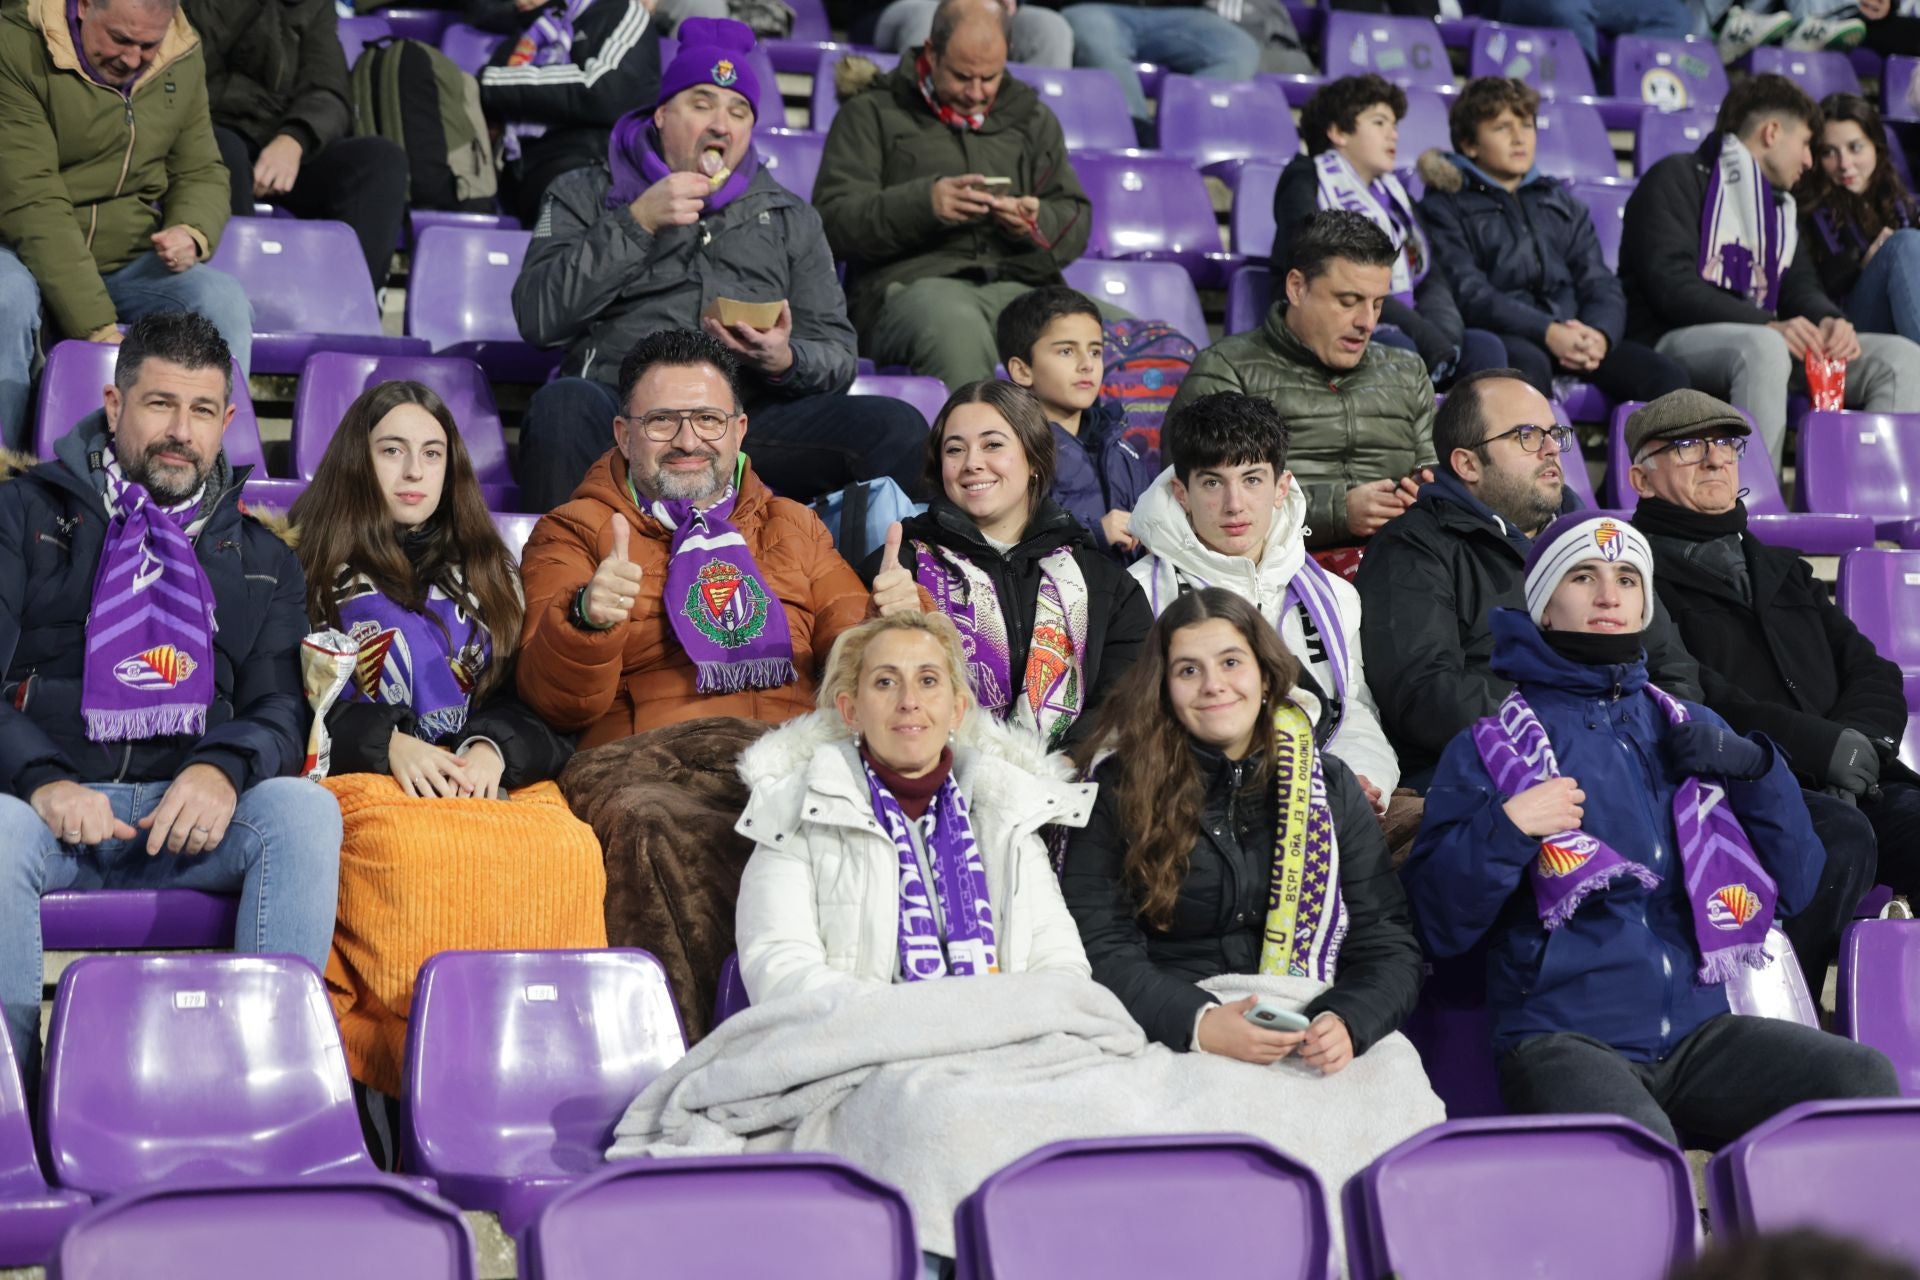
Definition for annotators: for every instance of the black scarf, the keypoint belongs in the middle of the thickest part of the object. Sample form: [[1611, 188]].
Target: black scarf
[[1656, 517], [1595, 648]]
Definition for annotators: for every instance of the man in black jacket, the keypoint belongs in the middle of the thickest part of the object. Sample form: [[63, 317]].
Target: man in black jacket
[[1433, 575], [151, 708], [1743, 312]]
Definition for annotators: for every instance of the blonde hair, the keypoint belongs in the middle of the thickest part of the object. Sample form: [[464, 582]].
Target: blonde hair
[[849, 654]]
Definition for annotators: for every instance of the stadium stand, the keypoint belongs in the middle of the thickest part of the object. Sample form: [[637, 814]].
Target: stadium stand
[[1879, 992]]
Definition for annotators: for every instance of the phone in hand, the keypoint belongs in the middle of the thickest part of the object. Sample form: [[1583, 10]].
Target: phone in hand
[[996, 182], [1273, 1016]]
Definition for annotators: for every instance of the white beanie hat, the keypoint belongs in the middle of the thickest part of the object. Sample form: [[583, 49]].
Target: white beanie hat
[[1579, 536]]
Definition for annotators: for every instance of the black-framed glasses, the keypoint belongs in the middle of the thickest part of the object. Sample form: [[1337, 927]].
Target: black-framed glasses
[[1692, 450], [662, 425], [1530, 437]]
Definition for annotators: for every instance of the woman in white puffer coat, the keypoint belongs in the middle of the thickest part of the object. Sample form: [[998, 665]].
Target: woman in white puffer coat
[[899, 836]]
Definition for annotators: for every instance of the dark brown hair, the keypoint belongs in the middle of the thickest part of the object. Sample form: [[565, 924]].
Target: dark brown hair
[[1483, 100], [1338, 106], [1161, 795], [1885, 203], [344, 523], [1751, 101], [1024, 417]]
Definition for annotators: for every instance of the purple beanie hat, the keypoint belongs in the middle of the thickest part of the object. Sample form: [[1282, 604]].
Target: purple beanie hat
[[713, 51]]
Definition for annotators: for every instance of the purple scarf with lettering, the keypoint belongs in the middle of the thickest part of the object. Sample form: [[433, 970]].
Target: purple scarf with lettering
[[149, 661], [634, 156], [1731, 894], [427, 663], [1747, 233], [547, 42], [733, 628], [959, 883]]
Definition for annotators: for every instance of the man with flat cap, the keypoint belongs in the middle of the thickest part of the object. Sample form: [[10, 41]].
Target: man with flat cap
[[1777, 656]]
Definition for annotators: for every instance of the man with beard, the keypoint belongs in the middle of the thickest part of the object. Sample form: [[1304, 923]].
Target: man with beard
[[151, 708]]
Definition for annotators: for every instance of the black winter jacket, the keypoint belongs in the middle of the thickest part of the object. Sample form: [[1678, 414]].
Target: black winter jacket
[[53, 522], [1118, 617], [1660, 258], [1839, 245], [1428, 584], [1788, 664], [1221, 912], [274, 67], [531, 750]]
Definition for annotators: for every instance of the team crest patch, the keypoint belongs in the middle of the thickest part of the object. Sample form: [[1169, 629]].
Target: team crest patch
[[1607, 539], [1565, 858], [1731, 907], [729, 607], [725, 73], [161, 667]]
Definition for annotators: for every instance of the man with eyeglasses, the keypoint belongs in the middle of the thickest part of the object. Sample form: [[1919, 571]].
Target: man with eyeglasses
[[1432, 577], [1776, 655]]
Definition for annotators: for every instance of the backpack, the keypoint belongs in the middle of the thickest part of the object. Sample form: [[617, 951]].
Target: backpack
[[412, 94], [1146, 362], [857, 516]]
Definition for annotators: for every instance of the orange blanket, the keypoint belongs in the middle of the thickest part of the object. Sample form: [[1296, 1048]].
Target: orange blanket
[[418, 877]]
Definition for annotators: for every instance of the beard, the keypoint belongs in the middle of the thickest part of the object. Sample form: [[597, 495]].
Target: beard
[[1519, 500], [168, 483], [682, 486]]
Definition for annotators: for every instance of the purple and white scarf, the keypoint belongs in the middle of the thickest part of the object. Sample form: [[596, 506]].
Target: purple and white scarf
[[959, 882], [634, 157], [1731, 894], [149, 662], [1385, 203], [1306, 913], [734, 629], [1747, 232], [1055, 679], [429, 664]]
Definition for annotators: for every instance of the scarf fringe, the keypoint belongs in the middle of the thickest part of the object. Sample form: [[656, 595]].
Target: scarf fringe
[[146, 722], [1564, 909], [1725, 964], [735, 677]]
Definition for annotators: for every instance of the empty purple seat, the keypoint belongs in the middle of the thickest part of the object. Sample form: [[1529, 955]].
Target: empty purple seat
[[1154, 207], [1668, 75], [520, 1063], [374, 1226], [1879, 993], [1819, 72], [1088, 102], [792, 156], [1298, 89], [1844, 1167], [928, 395], [800, 49], [1573, 465], [1607, 205], [1516, 1196], [469, 47], [1075, 1209], [1213, 123], [1894, 87], [1777, 991], [310, 290], [460, 299], [1250, 227], [800, 1216], [1423, 127], [137, 919], [1880, 591], [1249, 297], [826, 103], [1403, 50], [1548, 58], [357, 33], [1573, 142], [1662, 133], [1148, 290], [732, 997], [32, 1214], [170, 1070], [1865, 463], [427, 25], [514, 530]]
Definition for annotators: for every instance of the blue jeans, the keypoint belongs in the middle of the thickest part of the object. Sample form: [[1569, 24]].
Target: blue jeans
[[1886, 297], [281, 853], [1194, 42], [1658, 19], [141, 287]]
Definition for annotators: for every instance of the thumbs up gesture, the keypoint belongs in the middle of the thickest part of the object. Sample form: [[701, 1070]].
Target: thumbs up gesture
[[894, 590], [616, 583]]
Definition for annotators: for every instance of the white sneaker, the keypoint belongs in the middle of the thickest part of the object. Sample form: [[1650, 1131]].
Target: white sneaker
[[1742, 32], [1813, 34]]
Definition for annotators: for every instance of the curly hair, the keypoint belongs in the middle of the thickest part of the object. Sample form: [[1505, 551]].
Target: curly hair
[[1339, 104], [1483, 100]]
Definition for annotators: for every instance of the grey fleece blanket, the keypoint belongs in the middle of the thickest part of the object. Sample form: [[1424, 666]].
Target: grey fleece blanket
[[934, 1085]]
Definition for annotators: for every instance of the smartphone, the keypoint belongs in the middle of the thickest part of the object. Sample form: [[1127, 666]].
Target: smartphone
[[1276, 1017], [996, 182]]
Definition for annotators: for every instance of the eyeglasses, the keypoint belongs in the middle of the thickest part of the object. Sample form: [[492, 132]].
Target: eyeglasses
[[1530, 437], [663, 425], [1690, 451]]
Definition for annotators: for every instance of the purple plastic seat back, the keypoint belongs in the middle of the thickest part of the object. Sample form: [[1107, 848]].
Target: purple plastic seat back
[[77, 372], [291, 1231], [1087, 101], [928, 395], [332, 380], [800, 1216], [1249, 297], [810, 21], [137, 919], [1777, 991], [732, 997], [357, 33], [1843, 1166], [1607, 205], [1073, 1211], [1403, 50], [1879, 993], [514, 530], [792, 156], [1207, 121], [460, 299], [1894, 87], [1524, 1190], [1147, 203], [1548, 58], [1819, 72], [1149, 290], [1250, 228], [1424, 127], [302, 276], [826, 103], [1573, 142], [469, 47], [1862, 462], [1452, 1030], [32, 1215], [1880, 592], [1662, 133], [163, 1070], [1573, 464], [1668, 74], [426, 25]]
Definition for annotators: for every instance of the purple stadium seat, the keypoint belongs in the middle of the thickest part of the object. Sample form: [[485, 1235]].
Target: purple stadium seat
[[1777, 991], [792, 156], [1149, 290], [1819, 73], [1073, 1211], [1880, 591], [1458, 33], [800, 50], [308, 283], [520, 1063], [800, 1216], [1867, 463], [826, 103], [419, 221], [1573, 142], [928, 395], [417, 24], [1548, 58], [469, 47], [1844, 1167], [1452, 1030], [1154, 207], [1607, 204], [375, 1226], [1897, 156], [1249, 297], [32, 1214], [1250, 221], [514, 530], [137, 919], [1404, 50], [1450, 1201], [357, 33], [1298, 89], [1668, 74], [332, 380], [1088, 102], [460, 299], [1573, 465], [810, 21], [1214, 124], [1423, 127], [1879, 993], [1662, 133], [732, 997], [1893, 88], [168, 1070]]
